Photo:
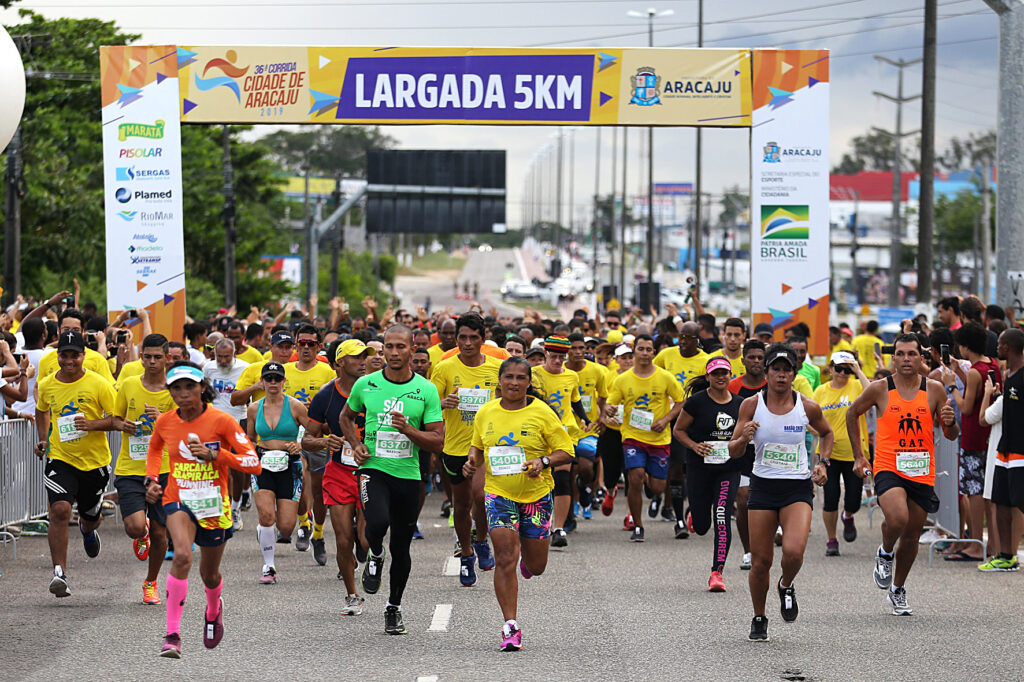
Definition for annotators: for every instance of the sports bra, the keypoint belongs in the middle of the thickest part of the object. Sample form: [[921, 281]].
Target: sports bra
[[286, 429]]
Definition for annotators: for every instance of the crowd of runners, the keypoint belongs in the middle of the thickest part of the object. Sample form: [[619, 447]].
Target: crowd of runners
[[526, 426]]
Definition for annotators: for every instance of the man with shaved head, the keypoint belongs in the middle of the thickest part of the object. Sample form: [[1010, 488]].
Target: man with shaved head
[[446, 335]]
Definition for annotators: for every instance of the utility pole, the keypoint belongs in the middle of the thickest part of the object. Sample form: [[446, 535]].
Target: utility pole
[[594, 227], [986, 231], [229, 221], [307, 215], [622, 221], [926, 199], [897, 185], [338, 242], [854, 246], [698, 229], [12, 219]]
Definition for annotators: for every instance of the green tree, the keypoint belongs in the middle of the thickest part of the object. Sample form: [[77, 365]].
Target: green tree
[[331, 151], [874, 151]]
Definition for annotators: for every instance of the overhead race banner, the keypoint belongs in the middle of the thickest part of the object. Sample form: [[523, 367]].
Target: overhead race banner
[[790, 192], [394, 85], [142, 185]]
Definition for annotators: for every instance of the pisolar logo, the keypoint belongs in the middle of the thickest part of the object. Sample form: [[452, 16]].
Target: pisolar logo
[[150, 132], [510, 439], [785, 222], [645, 87], [643, 400]]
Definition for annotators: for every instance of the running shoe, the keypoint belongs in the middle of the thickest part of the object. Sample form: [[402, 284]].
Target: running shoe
[[236, 521], [778, 537], [715, 582], [484, 558], [393, 624], [214, 630], [758, 629], [302, 539], [150, 593], [169, 554], [997, 563], [745, 561], [588, 512], [269, 576], [467, 575], [140, 546], [558, 538], [319, 551], [627, 523], [849, 530], [91, 542], [523, 570], [652, 510], [787, 605], [637, 535], [353, 605], [418, 533], [608, 503], [898, 602], [832, 547], [171, 647], [245, 503], [599, 495], [371, 573], [681, 531], [883, 570], [570, 523], [457, 551], [360, 553], [586, 495], [446, 508], [689, 521], [667, 514], [511, 638], [451, 521], [59, 585]]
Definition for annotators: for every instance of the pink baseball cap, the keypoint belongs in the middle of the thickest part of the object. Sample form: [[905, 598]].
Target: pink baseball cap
[[718, 362]]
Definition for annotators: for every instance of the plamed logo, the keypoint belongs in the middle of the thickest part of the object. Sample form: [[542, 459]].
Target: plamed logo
[[123, 195]]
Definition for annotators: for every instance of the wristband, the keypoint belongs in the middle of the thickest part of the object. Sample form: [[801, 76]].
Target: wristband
[[149, 480]]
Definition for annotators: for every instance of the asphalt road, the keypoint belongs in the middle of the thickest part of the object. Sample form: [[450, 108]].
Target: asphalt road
[[485, 268], [606, 609]]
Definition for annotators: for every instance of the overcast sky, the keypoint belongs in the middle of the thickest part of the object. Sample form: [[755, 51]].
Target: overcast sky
[[854, 30]]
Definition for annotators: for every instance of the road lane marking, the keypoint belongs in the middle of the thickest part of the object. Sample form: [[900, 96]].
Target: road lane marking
[[427, 678], [452, 566], [442, 614]]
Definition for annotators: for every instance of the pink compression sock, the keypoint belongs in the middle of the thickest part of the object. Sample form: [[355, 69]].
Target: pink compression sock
[[176, 591], [213, 600]]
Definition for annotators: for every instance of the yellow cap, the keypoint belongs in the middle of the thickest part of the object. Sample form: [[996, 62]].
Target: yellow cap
[[353, 347], [614, 336]]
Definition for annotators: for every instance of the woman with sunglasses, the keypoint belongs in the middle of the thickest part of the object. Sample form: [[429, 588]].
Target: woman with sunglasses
[[835, 398], [275, 421]]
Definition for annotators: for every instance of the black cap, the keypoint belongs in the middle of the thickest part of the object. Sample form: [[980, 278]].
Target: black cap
[[281, 337], [763, 328], [783, 354], [71, 340], [272, 368]]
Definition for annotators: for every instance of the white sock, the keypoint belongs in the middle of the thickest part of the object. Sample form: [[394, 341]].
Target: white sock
[[894, 587], [266, 537], [58, 570], [510, 625], [390, 606], [883, 553], [235, 506]]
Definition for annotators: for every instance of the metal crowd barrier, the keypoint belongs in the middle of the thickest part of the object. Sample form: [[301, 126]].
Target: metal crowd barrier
[[947, 487]]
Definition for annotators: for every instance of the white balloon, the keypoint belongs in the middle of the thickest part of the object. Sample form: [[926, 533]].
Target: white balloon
[[12, 85]]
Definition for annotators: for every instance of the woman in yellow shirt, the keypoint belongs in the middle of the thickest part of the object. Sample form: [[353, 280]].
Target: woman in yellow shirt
[[518, 438]]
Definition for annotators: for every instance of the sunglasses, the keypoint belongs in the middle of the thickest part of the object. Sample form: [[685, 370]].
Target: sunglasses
[[273, 378], [307, 343], [843, 369]]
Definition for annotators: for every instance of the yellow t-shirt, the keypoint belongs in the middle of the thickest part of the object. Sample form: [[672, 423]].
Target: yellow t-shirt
[[834, 404], [266, 355], [48, 365], [560, 391], [683, 369], [803, 386], [454, 375], [128, 370], [594, 384], [303, 385], [251, 375], [738, 369], [864, 344], [250, 355], [91, 396], [535, 429], [652, 396], [435, 352], [842, 345], [132, 398]]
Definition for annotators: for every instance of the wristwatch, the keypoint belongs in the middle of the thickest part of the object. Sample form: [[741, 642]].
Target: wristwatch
[[950, 389], [546, 461]]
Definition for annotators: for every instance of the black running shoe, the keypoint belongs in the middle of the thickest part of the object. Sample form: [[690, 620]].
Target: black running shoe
[[91, 542], [637, 535], [360, 553], [787, 605], [393, 624], [759, 629], [558, 538], [372, 569], [570, 523], [681, 531], [652, 510], [586, 495], [319, 551]]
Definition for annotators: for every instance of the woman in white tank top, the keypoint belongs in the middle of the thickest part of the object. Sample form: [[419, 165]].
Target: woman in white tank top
[[775, 421]]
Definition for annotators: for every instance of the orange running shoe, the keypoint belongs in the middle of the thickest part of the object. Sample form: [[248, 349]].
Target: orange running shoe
[[141, 546], [150, 593], [715, 582]]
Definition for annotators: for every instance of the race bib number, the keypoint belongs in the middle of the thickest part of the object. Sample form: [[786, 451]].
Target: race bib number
[[66, 429], [588, 401], [781, 456], [138, 447], [393, 445], [506, 460], [641, 419], [348, 457], [472, 399], [274, 460], [719, 452], [913, 464], [204, 503]]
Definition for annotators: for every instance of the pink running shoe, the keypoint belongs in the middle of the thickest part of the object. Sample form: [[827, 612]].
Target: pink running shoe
[[525, 572], [513, 641]]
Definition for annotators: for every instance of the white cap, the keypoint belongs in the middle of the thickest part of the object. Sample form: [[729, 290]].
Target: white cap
[[537, 343], [842, 357], [622, 349], [628, 338], [488, 342]]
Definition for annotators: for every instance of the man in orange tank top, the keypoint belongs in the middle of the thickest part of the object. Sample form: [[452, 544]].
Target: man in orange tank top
[[908, 407]]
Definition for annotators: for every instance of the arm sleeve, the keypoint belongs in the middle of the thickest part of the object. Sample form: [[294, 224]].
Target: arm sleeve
[[994, 413], [674, 389], [690, 407], [107, 398], [317, 408], [555, 436], [121, 405], [437, 378], [432, 409], [242, 455], [155, 456], [41, 394], [615, 393], [355, 400], [478, 439]]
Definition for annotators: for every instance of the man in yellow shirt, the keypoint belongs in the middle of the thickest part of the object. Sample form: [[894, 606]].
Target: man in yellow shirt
[[250, 384], [652, 399], [140, 400], [836, 341], [734, 335], [73, 320], [465, 383], [446, 335], [236, 332], [303, 378], [77, 402], [866, 345], [593, 392]]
